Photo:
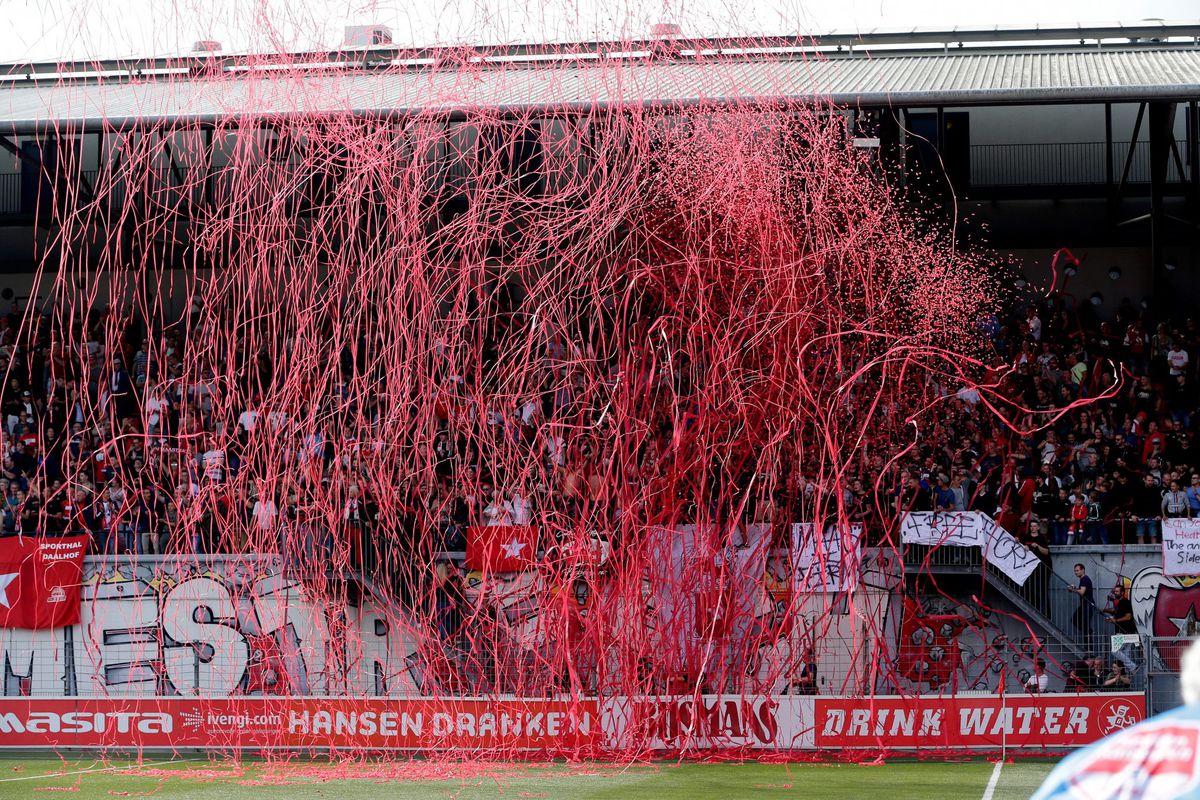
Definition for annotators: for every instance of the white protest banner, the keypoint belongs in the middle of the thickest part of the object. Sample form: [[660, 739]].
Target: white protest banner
[[826, 563], [705, 584], [971, 529], [1181, 546]]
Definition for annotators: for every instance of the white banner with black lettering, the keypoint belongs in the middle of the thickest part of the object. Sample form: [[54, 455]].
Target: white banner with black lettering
[[1181, 546], [971, 529], [826, 563]]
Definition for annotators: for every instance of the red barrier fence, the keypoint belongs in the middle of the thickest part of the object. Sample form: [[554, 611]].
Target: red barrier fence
[[992, 721], [479, 725], [310, 723]]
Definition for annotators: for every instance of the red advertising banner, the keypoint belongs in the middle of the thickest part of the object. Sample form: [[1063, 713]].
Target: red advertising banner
[[783, 723], [708, 722], [930, 722], [310, 723]]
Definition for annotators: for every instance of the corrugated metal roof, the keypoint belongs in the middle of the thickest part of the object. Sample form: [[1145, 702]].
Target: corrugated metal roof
[[970, 78]]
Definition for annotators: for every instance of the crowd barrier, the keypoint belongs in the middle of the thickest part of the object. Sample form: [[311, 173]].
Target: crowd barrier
[[683, 723]]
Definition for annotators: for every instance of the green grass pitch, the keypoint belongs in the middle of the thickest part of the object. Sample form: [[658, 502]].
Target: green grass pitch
[[197, 778]]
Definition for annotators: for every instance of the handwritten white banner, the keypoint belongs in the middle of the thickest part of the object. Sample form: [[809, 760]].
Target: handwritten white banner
[[971, 529], [826, 563], [1181, 546]]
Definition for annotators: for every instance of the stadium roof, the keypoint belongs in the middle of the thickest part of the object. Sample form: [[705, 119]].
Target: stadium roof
[[391, 88]]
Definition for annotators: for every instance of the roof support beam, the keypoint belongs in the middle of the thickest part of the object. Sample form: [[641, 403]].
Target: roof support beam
[[60, 180], [144, 68], [1162, 121]]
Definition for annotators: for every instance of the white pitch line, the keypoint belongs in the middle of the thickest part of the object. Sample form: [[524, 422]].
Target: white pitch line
[[993, 782], [98, 769]]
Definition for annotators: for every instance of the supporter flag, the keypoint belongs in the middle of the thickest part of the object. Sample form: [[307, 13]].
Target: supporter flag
[[929, 647], [39, 581], [501, 548]]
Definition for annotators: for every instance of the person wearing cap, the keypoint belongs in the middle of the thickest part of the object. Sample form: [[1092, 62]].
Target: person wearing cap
[[19, 409]]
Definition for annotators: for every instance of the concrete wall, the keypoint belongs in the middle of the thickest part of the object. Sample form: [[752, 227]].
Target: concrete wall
[[1105, 564], [1134, 283]]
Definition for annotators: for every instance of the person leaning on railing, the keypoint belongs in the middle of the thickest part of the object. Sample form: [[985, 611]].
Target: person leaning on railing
[[804, 680], [1120, 614], [1147, 506], [1078, 677], [1175, 503], [1118, 679], [1039, 681]]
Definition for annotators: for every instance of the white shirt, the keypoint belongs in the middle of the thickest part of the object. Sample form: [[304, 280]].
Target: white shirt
[[1038, 683], [498, 514], [1178, 361], [518, 510], [247, 419], [155, 405], [556, 448], [311, 447], [264, 514], [530, 410], [214, 464]]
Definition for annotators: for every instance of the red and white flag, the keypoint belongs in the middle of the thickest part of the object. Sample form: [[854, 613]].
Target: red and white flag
[[39, 581], [501, 548]]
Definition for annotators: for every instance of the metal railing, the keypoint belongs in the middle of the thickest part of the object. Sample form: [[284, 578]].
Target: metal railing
[[1045, 597], [10, 193], [1063, 612], [992, 165], [181, 187], [1059, 164], [928, 557], [1162, 672]]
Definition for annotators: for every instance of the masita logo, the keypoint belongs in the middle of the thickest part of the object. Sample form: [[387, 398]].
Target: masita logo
[[41, 722]]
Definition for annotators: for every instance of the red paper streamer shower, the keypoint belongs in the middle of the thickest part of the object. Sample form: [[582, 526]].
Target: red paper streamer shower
[[534, 404]]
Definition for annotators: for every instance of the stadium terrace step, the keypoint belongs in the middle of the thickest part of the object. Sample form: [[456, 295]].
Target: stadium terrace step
[[1045, 600]]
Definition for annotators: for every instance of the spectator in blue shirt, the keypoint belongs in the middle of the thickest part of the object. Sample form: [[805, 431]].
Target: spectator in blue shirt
[[1193, 496]]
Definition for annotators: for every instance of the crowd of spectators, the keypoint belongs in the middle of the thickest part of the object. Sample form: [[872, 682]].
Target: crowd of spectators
[[1120, 460], [1104, 472], [127, 444], [123, 443]]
